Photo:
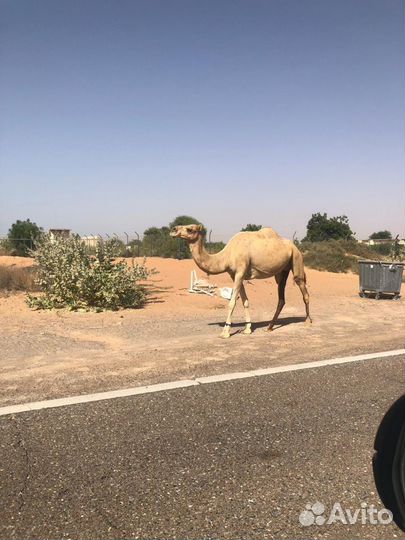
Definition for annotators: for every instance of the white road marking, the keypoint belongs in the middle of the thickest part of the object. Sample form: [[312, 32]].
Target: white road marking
[[162, 387]]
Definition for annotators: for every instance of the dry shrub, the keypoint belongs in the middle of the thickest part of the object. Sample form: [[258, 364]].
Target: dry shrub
[[5, 247], [336, 255], [13, 278]]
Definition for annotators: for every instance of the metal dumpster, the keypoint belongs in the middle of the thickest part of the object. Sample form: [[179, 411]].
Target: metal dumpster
[[380, 277]]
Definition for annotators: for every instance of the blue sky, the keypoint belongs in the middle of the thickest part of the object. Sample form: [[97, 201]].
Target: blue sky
[[117, 116]]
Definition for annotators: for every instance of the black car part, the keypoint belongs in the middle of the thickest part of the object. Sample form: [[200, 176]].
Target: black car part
[[389, 461]]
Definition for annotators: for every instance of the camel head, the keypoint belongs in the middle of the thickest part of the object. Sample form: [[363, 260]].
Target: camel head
[[191, 233]]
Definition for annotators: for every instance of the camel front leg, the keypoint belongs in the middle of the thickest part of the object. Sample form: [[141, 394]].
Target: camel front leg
[[245, 301], [237, 284]]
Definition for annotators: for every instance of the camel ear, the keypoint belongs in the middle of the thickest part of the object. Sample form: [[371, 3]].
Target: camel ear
[[200, 227]]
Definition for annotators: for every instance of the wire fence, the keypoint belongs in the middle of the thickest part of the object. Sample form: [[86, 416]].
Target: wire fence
[[16, 246], [123, 245], [161, 244]]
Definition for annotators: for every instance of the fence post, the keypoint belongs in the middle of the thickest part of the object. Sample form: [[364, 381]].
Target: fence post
[[137, 236]]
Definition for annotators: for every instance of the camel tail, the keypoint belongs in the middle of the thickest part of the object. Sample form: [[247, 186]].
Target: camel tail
[[297, 264]]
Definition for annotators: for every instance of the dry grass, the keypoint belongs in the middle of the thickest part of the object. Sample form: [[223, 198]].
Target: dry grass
[[338, 256], [13, 278]]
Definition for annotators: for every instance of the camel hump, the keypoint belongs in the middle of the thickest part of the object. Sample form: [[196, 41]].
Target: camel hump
[[268, 232]]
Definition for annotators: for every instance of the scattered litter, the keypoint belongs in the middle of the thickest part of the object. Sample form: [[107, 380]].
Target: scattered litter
[[226, 292], [201, 286]]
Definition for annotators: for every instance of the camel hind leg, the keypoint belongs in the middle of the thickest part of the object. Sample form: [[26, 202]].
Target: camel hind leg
[[301, 279], [281, 280], [245, 302]]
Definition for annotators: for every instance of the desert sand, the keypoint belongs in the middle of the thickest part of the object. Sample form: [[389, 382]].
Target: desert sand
[[46, 354]]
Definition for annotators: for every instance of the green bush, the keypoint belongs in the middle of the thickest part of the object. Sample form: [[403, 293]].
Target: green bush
[[70, 277]]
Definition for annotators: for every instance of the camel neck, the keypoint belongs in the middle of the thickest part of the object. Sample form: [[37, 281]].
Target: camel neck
[[211, 264]]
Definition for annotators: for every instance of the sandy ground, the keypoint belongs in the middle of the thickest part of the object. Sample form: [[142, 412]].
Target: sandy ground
[[56, 353]]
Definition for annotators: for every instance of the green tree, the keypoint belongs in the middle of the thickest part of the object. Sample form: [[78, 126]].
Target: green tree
[[117, 247], [135, 248], [251, 227], [154, 231], [381, 235], [321, 228], [184, 220], [181, 250], [22, 235], [157, 241]]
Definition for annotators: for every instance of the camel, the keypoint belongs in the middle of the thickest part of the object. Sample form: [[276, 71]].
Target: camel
[[249, 255]]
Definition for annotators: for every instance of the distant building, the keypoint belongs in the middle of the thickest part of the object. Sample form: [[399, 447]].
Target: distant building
[[379, 241], [64, 233], [91, 240]]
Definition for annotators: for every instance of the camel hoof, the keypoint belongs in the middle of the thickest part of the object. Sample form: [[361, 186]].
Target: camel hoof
[[269, 329], [247, 330], [226, 332], [308, 321]]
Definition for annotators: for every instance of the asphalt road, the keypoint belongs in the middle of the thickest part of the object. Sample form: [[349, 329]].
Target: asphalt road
[[237, 459]]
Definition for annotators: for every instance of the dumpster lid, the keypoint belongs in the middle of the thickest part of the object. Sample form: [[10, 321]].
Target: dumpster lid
[[368, 261]]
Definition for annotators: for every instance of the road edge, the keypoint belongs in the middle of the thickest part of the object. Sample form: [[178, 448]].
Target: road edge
[[185, 383]]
